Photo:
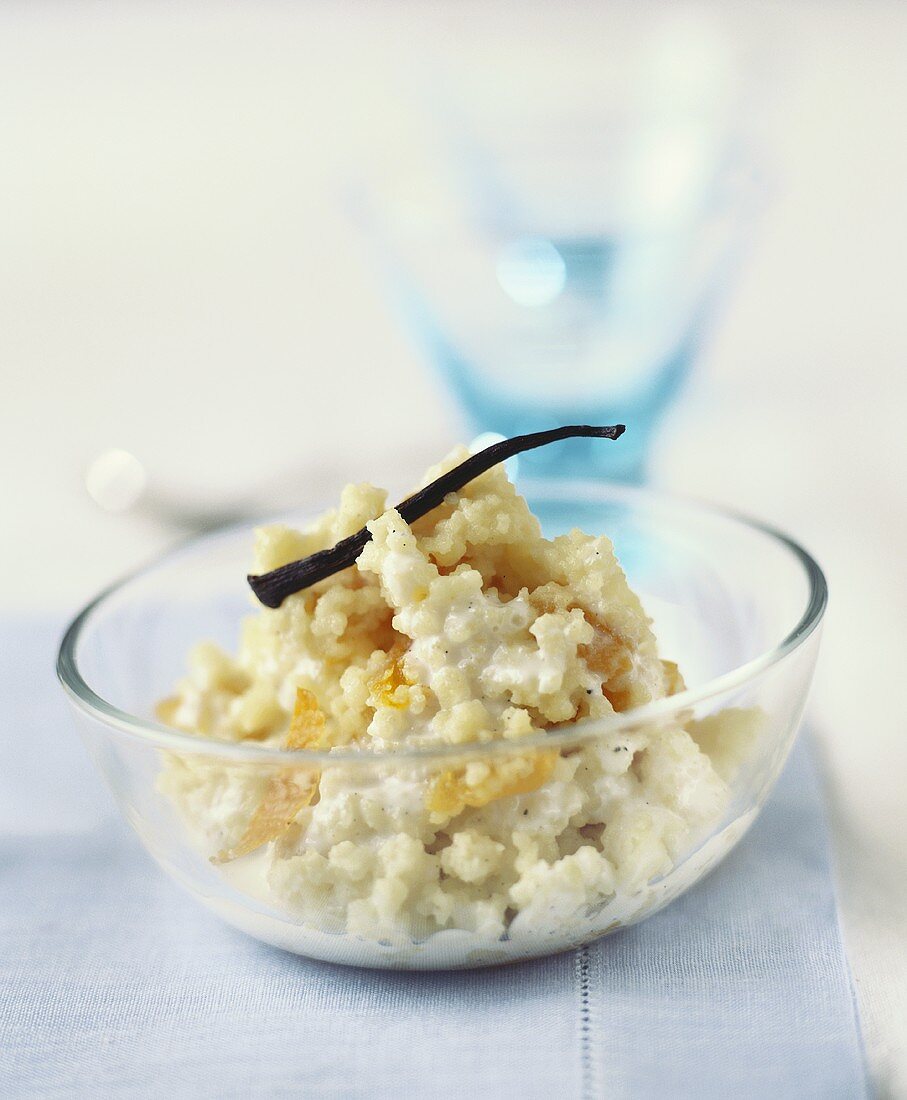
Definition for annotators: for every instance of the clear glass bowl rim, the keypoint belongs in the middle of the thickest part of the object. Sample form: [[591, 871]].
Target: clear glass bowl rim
[[150, 732]]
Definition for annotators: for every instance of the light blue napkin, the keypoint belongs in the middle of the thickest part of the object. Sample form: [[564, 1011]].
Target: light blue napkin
[[113, 983]]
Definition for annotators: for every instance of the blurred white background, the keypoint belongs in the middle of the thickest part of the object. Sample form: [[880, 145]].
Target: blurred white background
[[178, 278]]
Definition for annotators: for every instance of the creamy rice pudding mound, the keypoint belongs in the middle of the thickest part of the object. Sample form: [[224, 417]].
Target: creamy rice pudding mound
[[466, 627]]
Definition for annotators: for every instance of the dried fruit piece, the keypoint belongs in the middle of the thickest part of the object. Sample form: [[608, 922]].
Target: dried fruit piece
[[454, 790], [289, 790], [286, 794], [307, 726], [384, 688], [609, 657]]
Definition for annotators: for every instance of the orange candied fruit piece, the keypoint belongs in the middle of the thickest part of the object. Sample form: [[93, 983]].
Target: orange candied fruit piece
[[450, 792], [384, 688], [307, 726], [287, 793], [289, 790]]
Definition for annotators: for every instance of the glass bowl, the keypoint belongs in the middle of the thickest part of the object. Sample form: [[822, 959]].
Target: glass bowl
[[735, 603]]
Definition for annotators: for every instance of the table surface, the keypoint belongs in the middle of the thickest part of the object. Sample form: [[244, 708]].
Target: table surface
[[173, 256]]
